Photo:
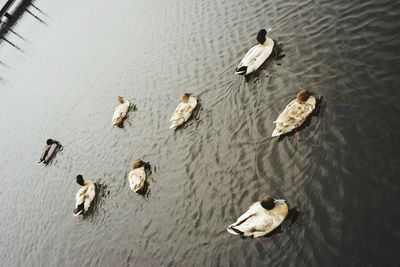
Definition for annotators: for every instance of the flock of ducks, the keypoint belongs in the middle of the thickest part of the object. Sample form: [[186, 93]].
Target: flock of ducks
[[263, 216]]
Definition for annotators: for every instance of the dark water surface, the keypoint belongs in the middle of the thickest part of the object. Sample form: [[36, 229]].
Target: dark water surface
[[342, 175]]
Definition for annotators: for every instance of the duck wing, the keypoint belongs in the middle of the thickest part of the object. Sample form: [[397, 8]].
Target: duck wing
[[284, 115], [253, 220], [84, 197], [137, 178], [293, 116], [255, 225], [275, 218], [51, 152], [80, 200], [183, 112], [266, 51], [178, 112], [192, 105], [255, 57], [45, 152], [120, 112], [252, 210], [251, 55], [89, 195]]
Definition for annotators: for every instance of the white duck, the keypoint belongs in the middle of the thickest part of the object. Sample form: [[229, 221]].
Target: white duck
[[257, 55], [183, 111], [137, 176], [120, 111], [295, 113], [84, 196], [261, 218]]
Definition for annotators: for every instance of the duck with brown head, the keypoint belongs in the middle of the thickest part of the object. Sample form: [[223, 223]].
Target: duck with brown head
[[295, 113], [84, 196], [120, 112], [257, 55], [137, 176], [183, 111], [261, 218]]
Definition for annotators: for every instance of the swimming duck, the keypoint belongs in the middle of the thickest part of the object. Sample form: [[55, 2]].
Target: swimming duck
[[84, 196], [261, 218], [183, 111], [295, 113], [137, 176], [256, 56], [120, 111], [49, 150]]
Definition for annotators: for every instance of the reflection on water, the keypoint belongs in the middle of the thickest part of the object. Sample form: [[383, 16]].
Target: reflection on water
[[341, 179]]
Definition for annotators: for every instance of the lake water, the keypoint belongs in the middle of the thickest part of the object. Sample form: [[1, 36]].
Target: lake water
[[340, 176]]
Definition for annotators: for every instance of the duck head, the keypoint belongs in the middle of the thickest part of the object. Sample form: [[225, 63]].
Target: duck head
[[185, 98], [137, 164], [261, 36], [79, 180], [120, 99], [269, 203], [49, 142], [303, 96]]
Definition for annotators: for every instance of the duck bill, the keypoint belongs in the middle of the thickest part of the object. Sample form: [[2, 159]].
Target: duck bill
[[279, 201]]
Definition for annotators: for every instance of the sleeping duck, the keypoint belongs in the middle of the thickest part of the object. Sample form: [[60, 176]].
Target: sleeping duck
[[84, 196], [261, 218], [183, 111], [49, 151], [295, 113], [257, 55], [120, 111], [137, 176]]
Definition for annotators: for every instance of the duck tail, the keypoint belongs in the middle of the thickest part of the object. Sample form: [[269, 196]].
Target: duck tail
[[236, 230], [241, 71], [79, 209]]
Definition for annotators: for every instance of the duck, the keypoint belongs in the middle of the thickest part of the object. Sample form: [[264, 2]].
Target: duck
[[137, 176], [295, 113], [261, 218], [183, 111], [49, 151], [84, 196], [120, 111], [257, 55]]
